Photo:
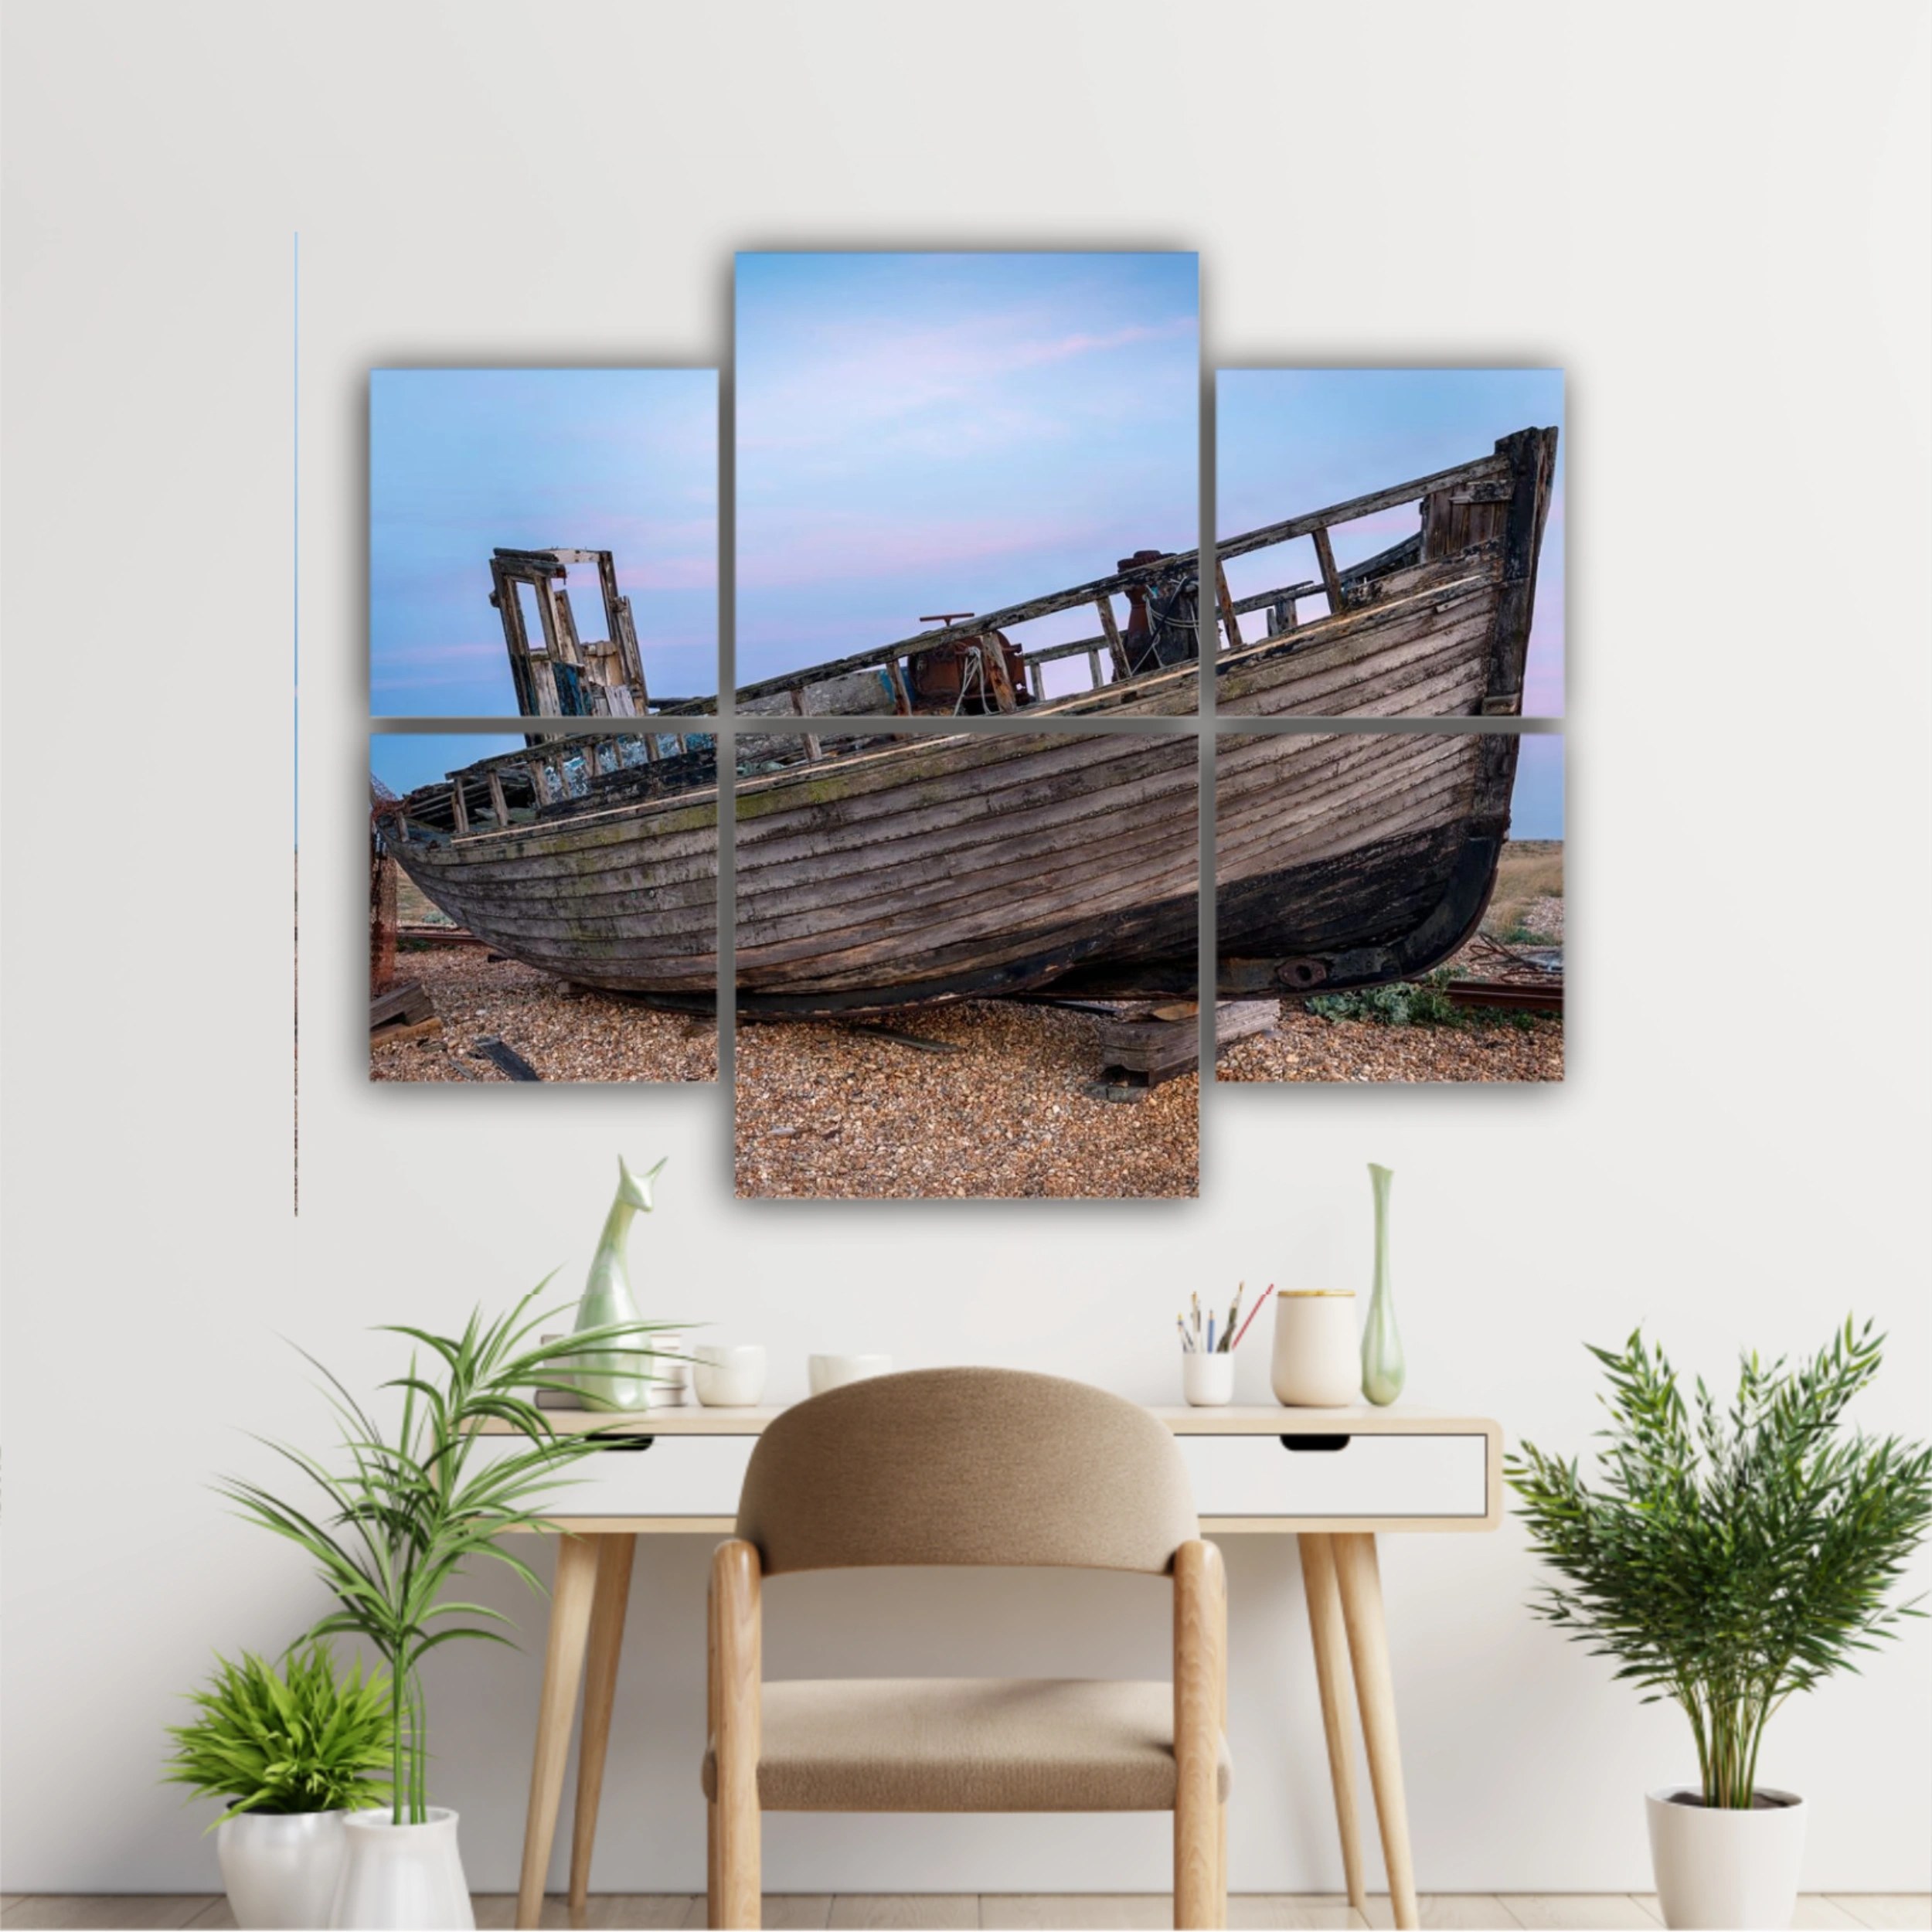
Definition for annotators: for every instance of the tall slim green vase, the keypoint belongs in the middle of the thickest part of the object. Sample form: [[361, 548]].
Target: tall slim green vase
[[1383, 1370], [605, 1378]]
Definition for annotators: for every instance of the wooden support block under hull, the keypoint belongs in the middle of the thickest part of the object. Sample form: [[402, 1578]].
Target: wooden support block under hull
[[1145, 1051], [406, 1004]]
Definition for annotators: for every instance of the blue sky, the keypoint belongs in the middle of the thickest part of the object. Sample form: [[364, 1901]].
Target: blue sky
[[920, 432], [1287, 440], [464, 461], [1536, 805]]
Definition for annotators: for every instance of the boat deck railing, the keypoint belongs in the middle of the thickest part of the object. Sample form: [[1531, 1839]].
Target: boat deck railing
[[1281, 603]]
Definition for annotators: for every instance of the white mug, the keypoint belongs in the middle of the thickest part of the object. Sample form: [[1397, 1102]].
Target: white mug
[[835, 1371], [1317, 1361], [728, 1378]]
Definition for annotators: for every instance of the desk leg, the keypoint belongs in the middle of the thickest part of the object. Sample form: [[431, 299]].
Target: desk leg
[[576, 1567], [1359, 1577], [1330, 1638], [608, 1606]]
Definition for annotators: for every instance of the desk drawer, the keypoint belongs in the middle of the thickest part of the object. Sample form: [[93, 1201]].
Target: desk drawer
[[679, 1475], [1363, 1475]]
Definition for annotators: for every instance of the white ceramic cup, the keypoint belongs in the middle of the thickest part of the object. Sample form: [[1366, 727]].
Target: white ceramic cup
[[835, 1371], [726, 1377], [1208, 1380], [1318, 1359]]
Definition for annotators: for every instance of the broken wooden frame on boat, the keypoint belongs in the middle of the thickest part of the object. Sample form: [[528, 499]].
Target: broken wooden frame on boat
[[872, 872]]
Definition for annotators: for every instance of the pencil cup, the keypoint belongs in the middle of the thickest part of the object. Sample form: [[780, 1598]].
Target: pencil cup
[[1207, 1380]]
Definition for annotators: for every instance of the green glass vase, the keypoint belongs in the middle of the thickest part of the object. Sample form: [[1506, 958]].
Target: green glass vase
[[606, 1378], [1383, 1371]]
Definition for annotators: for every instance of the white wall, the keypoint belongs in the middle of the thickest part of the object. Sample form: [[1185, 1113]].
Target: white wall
[[1715, 219]]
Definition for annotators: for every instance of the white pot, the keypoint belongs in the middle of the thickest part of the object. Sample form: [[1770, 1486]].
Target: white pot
[[280, 1870], [401, 1878], [1731, 1869]]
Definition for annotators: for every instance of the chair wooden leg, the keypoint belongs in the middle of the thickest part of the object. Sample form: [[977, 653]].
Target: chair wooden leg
[[1330, 1639], [711, 1917], [608, 1606], [576, 1567], [1200, 1668], [1359, 1577], [736, 1898]]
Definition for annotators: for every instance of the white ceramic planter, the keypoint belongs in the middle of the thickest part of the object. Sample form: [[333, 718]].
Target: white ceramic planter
[[280, 1871], [401, 1878], [1729, 1870]]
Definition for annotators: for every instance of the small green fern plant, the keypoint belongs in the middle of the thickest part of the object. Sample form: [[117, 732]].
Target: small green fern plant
[[296, 1739], [1728, 1558]]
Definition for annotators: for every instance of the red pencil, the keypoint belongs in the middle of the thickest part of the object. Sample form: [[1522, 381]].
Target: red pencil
[[1250, 1323]]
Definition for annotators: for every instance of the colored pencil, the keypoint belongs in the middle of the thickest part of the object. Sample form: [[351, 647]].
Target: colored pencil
[[1250, 1323]]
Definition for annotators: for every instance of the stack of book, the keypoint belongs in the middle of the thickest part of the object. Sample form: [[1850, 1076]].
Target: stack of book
[[670, 1387]]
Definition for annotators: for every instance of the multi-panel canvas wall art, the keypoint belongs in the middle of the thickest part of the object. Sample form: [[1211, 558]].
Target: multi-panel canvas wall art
[[955, 765], [543, 548], [952, 954], [542, 906], [1395, 538], [542, 542], [1399, 897], [965, 484]]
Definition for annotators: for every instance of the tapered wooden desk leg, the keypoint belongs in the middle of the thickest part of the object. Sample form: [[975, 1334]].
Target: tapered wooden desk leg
[[570, 1595], [608, 1606], [1359, 1577], [1330, 1638]]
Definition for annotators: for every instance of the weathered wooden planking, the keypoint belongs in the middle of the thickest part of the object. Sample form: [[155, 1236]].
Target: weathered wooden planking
[[405, 1003]]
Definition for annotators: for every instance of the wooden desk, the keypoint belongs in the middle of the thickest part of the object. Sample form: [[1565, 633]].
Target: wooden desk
[[1333, 1478]]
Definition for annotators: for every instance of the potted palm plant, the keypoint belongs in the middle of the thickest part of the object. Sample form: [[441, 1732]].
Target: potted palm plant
[[293, 1750], [400, 1517], [1728, 1557]]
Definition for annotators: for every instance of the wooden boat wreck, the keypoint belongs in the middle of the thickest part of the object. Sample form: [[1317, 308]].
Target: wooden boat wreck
[[879, 862]]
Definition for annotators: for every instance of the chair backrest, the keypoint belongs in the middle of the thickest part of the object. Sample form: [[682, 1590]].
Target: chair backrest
[[967, 1466]]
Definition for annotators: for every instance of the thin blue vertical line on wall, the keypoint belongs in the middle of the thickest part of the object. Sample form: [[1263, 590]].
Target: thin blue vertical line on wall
[[295, 707]]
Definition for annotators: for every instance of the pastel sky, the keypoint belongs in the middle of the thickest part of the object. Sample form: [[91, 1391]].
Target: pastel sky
[[1287, 440], [920, 432], [465, 461], [1536, 804]]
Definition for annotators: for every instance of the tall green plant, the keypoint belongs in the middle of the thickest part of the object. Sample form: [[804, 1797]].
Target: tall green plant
[[298, 1739], [1730, 1557], [402, 1517]]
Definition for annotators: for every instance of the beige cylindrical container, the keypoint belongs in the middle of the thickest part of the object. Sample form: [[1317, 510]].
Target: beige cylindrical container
[[1317, 1360]]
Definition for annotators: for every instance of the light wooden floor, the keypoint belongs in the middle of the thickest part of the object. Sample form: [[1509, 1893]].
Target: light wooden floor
[[823, 1911]]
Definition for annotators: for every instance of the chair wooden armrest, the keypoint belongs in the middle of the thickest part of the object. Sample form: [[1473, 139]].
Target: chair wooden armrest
[[1200, 1707]]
